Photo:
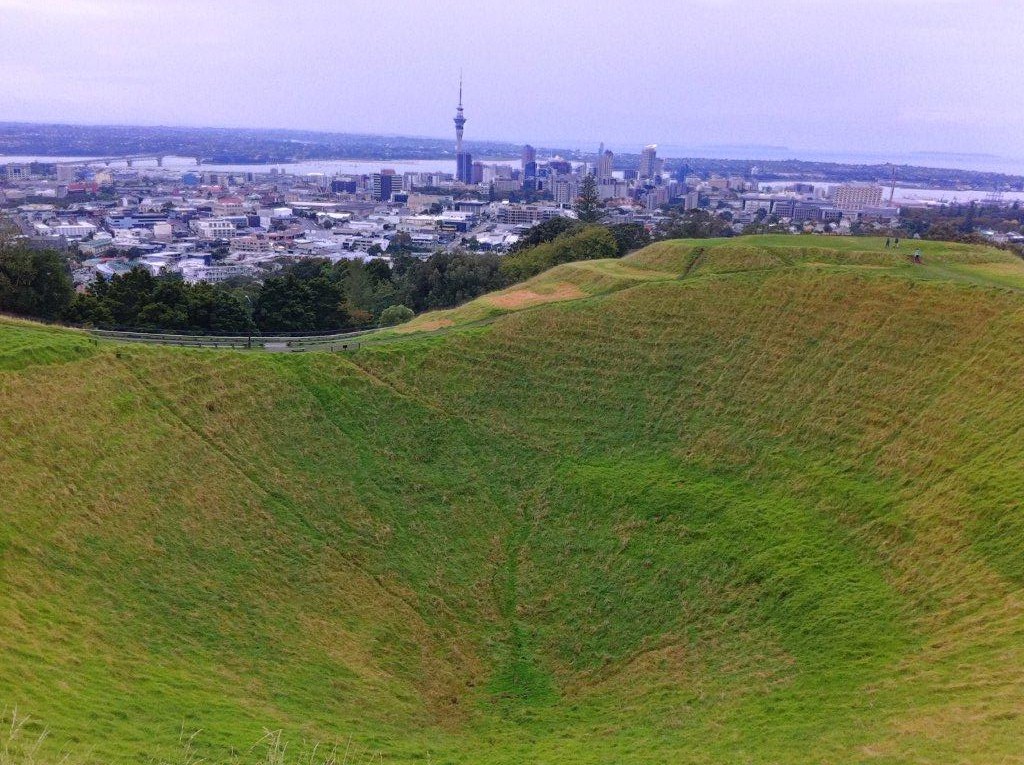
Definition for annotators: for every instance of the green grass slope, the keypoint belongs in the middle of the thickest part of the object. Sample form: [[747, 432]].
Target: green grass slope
[[693, 258], [744, 501]]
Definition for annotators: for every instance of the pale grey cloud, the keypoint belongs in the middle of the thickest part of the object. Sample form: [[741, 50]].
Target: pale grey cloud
[[862, 75]]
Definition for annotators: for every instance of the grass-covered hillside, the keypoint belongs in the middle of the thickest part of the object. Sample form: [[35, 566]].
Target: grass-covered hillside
[[734, 501]]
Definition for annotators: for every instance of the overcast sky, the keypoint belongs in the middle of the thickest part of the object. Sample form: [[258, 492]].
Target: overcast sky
[[856, 76]]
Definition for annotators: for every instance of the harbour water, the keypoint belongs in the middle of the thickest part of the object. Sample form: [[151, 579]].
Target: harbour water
[[365, 166]]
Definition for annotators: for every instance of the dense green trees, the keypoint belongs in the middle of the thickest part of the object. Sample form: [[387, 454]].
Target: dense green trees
[[630, 237], [138, 300], [445, 279], [589, 243], [545, 232], [313, 294], [694, 224], [290, 303], [960, 222], [308, 296], [33, 282]]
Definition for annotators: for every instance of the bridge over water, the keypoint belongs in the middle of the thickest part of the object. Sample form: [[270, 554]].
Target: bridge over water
[[130, 159]]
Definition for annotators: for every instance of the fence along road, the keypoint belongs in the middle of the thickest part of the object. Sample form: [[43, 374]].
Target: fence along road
[[343, 341]]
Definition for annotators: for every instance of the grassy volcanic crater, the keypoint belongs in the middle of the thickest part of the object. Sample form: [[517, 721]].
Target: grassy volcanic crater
[[754, 500]]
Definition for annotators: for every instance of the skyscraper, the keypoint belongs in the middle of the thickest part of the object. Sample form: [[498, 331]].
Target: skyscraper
[[463, 159], [529, 167], [604, 163], [383, 185], [648, 162], [560, 166], [529, 157]]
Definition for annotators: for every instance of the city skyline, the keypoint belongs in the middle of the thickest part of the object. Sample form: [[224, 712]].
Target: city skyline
[[716, 75]]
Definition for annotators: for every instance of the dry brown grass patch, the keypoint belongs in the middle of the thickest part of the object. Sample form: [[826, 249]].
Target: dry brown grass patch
[[525, 298], [427, 325]]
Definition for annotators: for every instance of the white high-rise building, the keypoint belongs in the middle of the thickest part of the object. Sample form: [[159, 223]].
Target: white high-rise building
[[648, 162], [565, 190], [604, 163], [855, 197]]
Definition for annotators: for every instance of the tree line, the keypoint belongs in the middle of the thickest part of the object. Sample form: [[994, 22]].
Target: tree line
[[306, 296], [960, 222]]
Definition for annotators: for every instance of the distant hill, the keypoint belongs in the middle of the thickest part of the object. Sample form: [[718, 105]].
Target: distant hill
[[230, 145], [729, 501]]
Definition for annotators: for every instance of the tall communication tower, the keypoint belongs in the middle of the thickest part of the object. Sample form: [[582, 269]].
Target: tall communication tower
[[460, 119], [463, 159]]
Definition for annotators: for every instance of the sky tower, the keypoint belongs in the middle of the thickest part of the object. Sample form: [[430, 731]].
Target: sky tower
[[460, 120], [463, 159]]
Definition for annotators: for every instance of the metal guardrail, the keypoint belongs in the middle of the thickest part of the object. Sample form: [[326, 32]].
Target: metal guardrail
[[342, 341]]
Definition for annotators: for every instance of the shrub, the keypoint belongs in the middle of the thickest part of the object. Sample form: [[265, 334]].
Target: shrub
[[395, 314]]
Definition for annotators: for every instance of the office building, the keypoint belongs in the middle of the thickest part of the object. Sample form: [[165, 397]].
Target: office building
[[560, 166], [73, 230], [565, 190], [803, 210], [880, 213], [343, 186], [163, 232], [529, 157], [526, 215], [214, 228], [648, 162], [251, 243], [689, 200], [18, 171], [755, 202], [229, 206], [474, 206], [604, 164], [612, 188], [854, 197], [383, 185], [656, 197], [783, 207]]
